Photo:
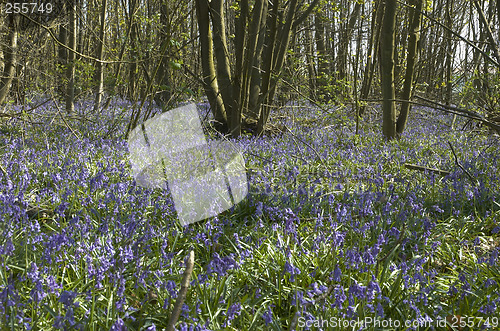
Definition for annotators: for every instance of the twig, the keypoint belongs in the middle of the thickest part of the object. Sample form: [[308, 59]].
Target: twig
[[422, 168], [2, 168], [182, 293], [64, 120], [473, 180]]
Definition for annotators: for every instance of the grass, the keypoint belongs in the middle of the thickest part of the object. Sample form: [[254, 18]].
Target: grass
[[334, 230]]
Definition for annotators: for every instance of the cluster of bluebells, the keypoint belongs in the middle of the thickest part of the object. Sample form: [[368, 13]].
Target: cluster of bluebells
[[334, 225]]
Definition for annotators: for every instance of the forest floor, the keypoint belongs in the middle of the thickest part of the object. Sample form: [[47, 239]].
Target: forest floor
[[336, 233]]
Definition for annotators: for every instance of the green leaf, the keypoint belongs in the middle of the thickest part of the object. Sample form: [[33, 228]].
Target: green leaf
[[175, 65]]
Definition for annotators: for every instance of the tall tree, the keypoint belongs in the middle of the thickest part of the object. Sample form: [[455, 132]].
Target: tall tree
[[10, 56], [133, 69], [372, 51], [387, 69], [228, 90], [207, 64], [99, 65], [70, 70], [415, 19], [323, 65]]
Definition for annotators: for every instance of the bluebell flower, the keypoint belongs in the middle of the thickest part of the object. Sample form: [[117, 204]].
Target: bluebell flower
[[292, 270], [268, 316], [233, 311], [337, 274], [119, 325], [67, 298]]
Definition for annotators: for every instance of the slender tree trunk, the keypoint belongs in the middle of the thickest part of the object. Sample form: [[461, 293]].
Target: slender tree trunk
[[498, 11], [323, 66], [70, 71], [208, 67], [99, 65], [10, 57], [449, 59], [373, 49], [311, 70], [267, 66], [233, 112], [256, 77], [346, 39], [132, 78], [387, 69], [279, 58], [112, 89], [62, 54], [411, 59], [252, 52], [487, 29], [240, 40], [163, 77]]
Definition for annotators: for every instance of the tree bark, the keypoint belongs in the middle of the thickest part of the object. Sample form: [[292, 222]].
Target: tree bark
[[252, 54], [99, 65], [323, 66], [208, 67], [10, 57], [256, 77], [346, 39], [411, 59], [373, 49], [163, 77], [387, 69], [278, 57], [311, 70], [487, 29], [223, 71], [70, 71], [132, 77]]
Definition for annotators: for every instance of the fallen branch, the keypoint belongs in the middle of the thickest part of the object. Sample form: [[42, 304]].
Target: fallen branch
[[462, 112], [422, 168], [182, 292]]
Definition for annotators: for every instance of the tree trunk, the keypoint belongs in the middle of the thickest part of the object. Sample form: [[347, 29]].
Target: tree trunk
[[387, 69], [311, 70], [62, 54], [70, 71], [415, 14], [323, 66], [252, 54], [99, 65], [208, 67], [223, 72], [256, 77], [346, 39], [373, 49], [283, 40], [489, 34], [267, 65], [10, 57], [132, 77], [163, 78]]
